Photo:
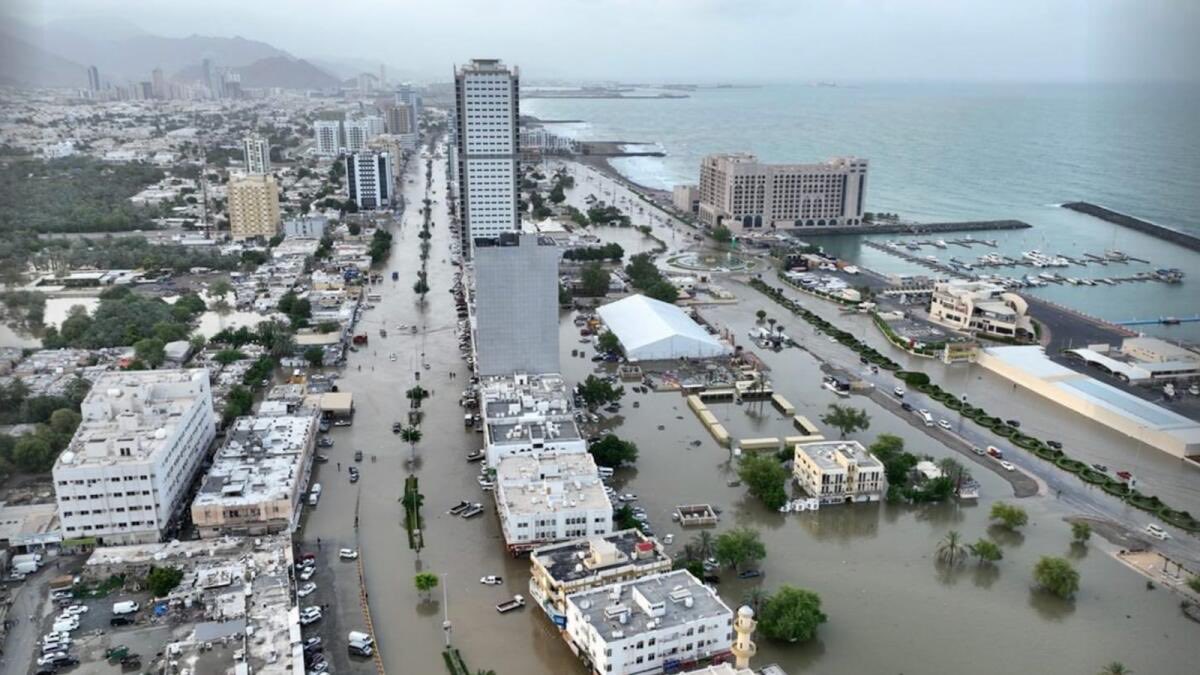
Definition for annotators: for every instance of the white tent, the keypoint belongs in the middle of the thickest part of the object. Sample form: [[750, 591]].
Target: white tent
[[653, 330]]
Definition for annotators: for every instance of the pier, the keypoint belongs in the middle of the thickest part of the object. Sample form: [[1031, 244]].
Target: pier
[[1162, 320], [913, 228], [1174, 236]]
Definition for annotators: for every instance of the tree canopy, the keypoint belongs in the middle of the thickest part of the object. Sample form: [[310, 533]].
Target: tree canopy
[[1010, 516], [739, 547], [1057, 576], [163, 580], [596, 392], [791, 614], [766, 478], [593, 280], [612, 452], [846, 419]]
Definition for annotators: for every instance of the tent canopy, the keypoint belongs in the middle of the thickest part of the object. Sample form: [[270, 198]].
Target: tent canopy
[[653, 330]]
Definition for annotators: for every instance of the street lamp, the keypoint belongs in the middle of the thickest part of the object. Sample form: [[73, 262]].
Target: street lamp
[[446, 627]]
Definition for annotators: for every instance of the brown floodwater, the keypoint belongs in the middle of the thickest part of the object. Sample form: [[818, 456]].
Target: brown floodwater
[[891, 608]]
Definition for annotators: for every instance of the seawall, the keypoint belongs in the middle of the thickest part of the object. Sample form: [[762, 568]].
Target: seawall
[[1184, 239], [915, 228]]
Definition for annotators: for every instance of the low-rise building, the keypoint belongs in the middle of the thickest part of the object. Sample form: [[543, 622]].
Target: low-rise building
[[838, 472], [550, 498], [126, 471], [980, 307], [558, 570], [655, 624], [258, 477], [528, 415]]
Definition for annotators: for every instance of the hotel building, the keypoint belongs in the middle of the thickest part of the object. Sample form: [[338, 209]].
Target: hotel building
[[838, 472], [487, 108]]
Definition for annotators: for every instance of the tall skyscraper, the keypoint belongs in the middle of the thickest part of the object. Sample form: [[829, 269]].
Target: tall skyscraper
[[212, 79], [93, 79], [516, 305], [399, 119], [257, 152], [253, 207], [160, 83], [407, 96], [487, 107], [369, 179], [329, 137]]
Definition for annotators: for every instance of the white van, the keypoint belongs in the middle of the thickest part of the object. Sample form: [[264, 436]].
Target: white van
[[314, 495], [604, 471], [126, 607], [66, 625], [926, 417]]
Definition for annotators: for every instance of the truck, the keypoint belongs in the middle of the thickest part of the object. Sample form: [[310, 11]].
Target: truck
[[124, 607], [995, 452], [24, 567]]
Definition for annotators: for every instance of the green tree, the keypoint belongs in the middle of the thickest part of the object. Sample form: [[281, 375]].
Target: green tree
[[623, 518], [354, 229], [765, 478], [612, 452], [556, 194], [412, 436], [163, 580], [150, 352], [238, 402], [609, 342], [425, 582], [64, 421], [1115, 668], [1010, 516], [1057, 576], [739, 547], [219, 289], [228, 356], [315, 356], [761, 314], [791, 614], [703, 544], [597, 392], [416, 395], [328, 327], [593, 280], [722, 234], [33, 454], [846, 420], [564, 295], [663, 291], [986, 550], [1080, 532], [950, 549]]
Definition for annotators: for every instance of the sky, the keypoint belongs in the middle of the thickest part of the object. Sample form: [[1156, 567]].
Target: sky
[[698, 40]]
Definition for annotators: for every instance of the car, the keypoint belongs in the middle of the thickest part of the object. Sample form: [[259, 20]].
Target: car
[[120, 621], [1100, 467], [307, 573], [314, 659], [348, 554], [76, 609], [1008, 466], [310, 615], [306, 590], [1016, 424], [944, 423], [62, 595], [65, 661], [358, 455], [977, 450], [56, 636], [354, 477], [51, 647], [1057, 445], [491, 580], [321, 459], [906, 406], [1157, 532], [325, 442], [899, 392], [47, 659], [320, 669], [312, 643]]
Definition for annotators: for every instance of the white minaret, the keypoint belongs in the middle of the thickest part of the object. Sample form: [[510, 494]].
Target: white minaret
[[744, 648]]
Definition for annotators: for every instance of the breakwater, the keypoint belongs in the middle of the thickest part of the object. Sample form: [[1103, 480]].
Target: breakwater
[[1184, 239], [915, 228]]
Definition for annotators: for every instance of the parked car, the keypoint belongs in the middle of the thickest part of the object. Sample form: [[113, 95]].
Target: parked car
[[312, 643], [1100, 467], [120, 621], [310, 615], [307, 573], [358, 455], [306, 589], [47, 659], [1054, 444], [321, 459], [1016, 424], [491, 580]]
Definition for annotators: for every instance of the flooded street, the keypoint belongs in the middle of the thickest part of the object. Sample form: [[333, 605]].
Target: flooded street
[[872, 564]]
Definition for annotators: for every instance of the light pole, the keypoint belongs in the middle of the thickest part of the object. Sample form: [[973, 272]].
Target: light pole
[[446, 627]]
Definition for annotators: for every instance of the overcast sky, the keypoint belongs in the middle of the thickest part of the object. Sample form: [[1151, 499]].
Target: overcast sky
[[702, 40]]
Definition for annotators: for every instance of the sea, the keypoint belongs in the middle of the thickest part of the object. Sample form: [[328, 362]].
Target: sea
[[951, 152]]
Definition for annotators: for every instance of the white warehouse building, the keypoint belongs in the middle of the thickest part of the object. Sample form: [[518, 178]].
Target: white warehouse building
[[651, 330], [128, 467]]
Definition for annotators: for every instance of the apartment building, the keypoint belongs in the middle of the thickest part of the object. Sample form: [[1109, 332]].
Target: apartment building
[[686, 198], [257, 153], [516, 305], [258, 477], [654, 624], [562, 569], [837, 472], [980, 307], [369, 179], [328, 134], [487, 108], [398, 119], [744, 194], [550, 498], [127, 469], [359, 132], [527, 415], [253, 207]]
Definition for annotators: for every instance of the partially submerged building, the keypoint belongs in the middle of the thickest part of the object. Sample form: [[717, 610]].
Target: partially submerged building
[[551, 498]]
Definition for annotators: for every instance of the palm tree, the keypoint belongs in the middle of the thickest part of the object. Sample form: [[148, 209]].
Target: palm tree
[[412, 436], [755, 598], [690, 553], [951, 549], [1115, 668], [704, 544]]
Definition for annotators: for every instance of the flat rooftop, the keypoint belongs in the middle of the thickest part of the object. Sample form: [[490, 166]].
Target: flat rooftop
[[823, 454], [536, 485], [261, 460], [521, 408], [569, 561], [602, 606]]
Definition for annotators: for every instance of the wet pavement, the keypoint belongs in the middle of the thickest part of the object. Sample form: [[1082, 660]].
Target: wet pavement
[[872, 564]]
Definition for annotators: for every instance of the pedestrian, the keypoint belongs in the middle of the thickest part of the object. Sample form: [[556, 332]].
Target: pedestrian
[[339, 466], [318, 542]]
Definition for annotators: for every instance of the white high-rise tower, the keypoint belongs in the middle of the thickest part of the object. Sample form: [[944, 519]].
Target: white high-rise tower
[[258, 154], [487, 107]]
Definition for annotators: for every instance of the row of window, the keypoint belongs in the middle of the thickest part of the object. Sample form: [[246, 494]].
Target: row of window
[[120, 526], [97, 512], [101, 495]]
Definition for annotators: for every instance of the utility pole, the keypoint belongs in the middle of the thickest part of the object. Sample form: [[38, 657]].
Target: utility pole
[[446, 626]]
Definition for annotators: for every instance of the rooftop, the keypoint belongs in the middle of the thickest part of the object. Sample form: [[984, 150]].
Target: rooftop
[[657, 602], [537, 485], [581, 558], [520, 408], [825, 454], [261, 460]]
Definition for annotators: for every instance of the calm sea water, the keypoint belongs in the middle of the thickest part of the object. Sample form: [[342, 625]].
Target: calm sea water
[[958, 152]]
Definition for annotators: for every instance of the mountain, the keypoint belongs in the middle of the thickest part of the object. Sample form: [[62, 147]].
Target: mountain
[[286, 72], [25, 64]]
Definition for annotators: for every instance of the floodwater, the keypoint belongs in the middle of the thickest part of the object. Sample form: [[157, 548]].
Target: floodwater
[[891, 608]]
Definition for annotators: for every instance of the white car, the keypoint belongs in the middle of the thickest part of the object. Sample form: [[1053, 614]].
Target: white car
[[1157, 532], [899, 391], [49, 658], [348, 554], [306, 589], [945, 424], [1008, 466], [308, 573], [74, 610], [310, 615], [491, 580]]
